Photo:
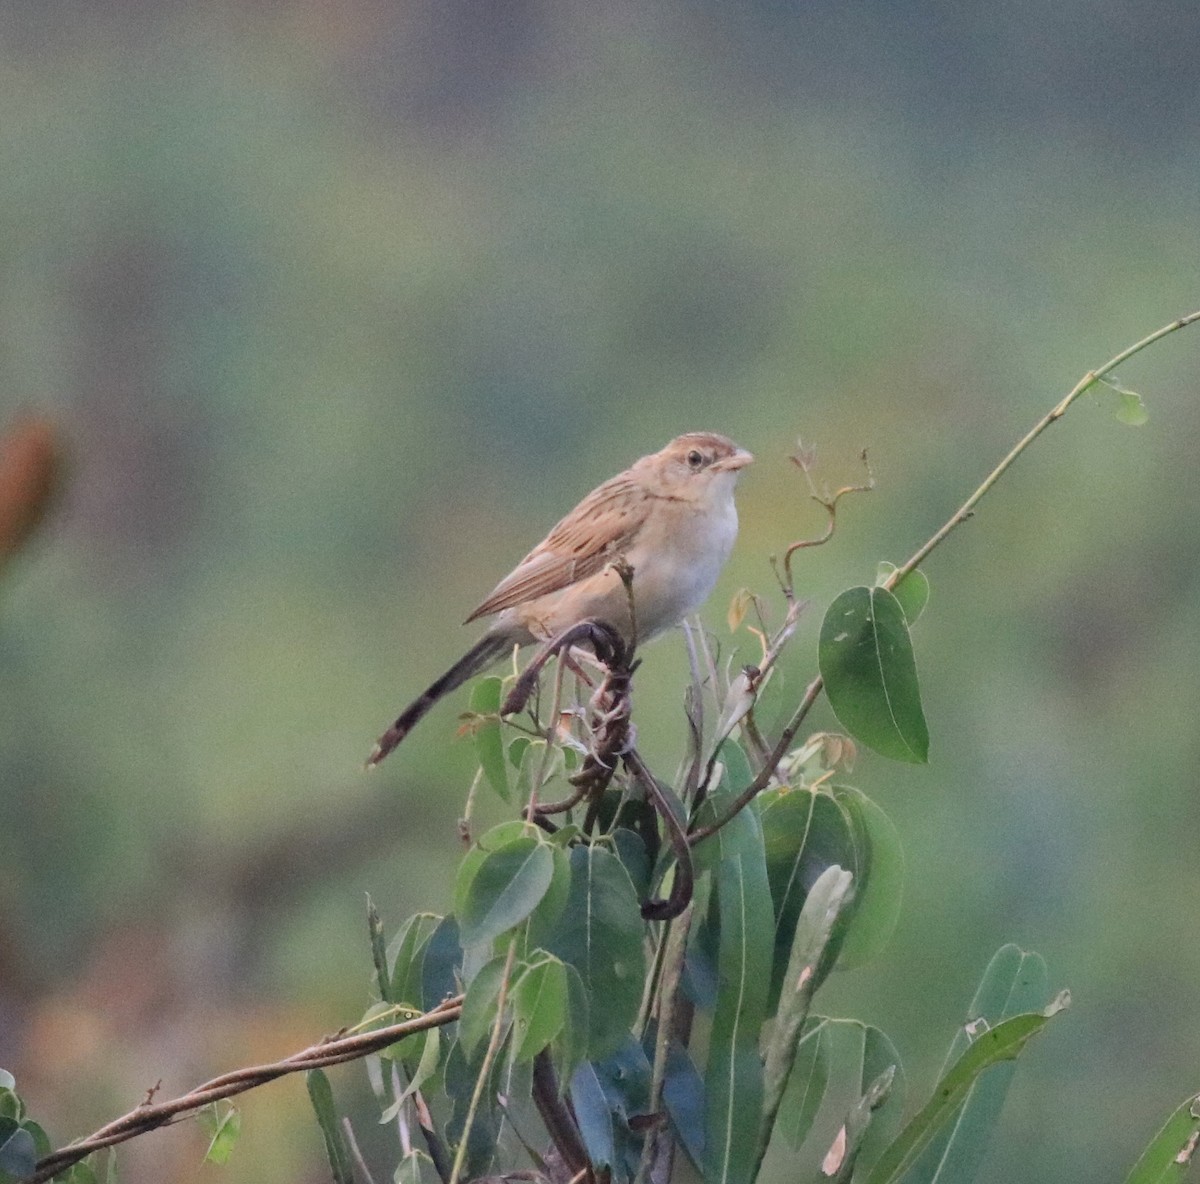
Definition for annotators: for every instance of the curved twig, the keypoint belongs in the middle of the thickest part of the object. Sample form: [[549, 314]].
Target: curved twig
[[964, 512], [331, 1051]]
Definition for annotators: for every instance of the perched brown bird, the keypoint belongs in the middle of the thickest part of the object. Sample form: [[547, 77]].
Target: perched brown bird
[[670, 517]]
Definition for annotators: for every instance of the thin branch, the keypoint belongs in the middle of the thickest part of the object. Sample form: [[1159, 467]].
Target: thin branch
[[332, 1051], [559, 1122], [965, 511], [460, 1156]]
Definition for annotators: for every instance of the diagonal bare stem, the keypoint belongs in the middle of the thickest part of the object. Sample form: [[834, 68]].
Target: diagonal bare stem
[[939, 536]]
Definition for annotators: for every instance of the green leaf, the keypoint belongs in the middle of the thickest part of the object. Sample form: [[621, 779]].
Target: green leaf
[[631, 851], [508, 885], [847, 1146], [600, 933], [407, 951], [616, 1091], [539, 1000], [426, 1066], [1171, 1151], [488, 842], [544, 919], [806, 832], [829, 896], [594, 1116], [18, 1154], [42, 1141], [516, 751], [441, 963], [879, 1056], [744, 955], [408, 1171], [1014, 982], [880, 889], [321, 1096], [7, 1080], [1002, 1043], [806, 1085], [379, 960], [489, 743], [1129, 408], [571, 1044], [683, 1099], [479, 1006], [10, 1105], [912, 592], [223, 1125], [866, 659], [77, 1173], [460, 1076]]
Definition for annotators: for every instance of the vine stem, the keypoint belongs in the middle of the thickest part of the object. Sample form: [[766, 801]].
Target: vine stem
[[151, 1116], [460, 1156], [919, 556]]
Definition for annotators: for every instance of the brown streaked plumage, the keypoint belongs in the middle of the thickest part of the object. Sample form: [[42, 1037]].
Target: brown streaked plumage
[[670, 516]]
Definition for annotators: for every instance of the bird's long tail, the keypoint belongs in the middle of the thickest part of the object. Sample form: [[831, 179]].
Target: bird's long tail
[[481, 655]]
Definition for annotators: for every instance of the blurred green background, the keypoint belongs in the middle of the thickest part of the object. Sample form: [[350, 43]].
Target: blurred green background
[[339, 307]]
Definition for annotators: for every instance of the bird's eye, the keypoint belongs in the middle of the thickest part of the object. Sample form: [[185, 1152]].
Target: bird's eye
[[695, 458]]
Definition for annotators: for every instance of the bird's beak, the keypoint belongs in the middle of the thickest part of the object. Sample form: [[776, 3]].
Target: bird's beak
[[739, 460]]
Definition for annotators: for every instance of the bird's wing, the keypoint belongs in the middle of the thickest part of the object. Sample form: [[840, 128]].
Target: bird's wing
[[595, 533]]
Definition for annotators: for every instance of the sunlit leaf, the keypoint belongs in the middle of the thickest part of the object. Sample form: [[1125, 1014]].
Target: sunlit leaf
[[570, 1046], [743, 598], [866, 659]]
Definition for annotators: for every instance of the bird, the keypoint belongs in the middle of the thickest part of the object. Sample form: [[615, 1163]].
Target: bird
[[669, 518]]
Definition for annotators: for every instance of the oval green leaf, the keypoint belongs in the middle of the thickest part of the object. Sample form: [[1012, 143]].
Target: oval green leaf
[[600, 933], [912, 591], [881, 883], [866, 659], [508, 885], [489, 743], [539, 1000]]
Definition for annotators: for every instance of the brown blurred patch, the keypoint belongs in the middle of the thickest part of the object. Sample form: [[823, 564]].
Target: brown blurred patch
[[31, 475]]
